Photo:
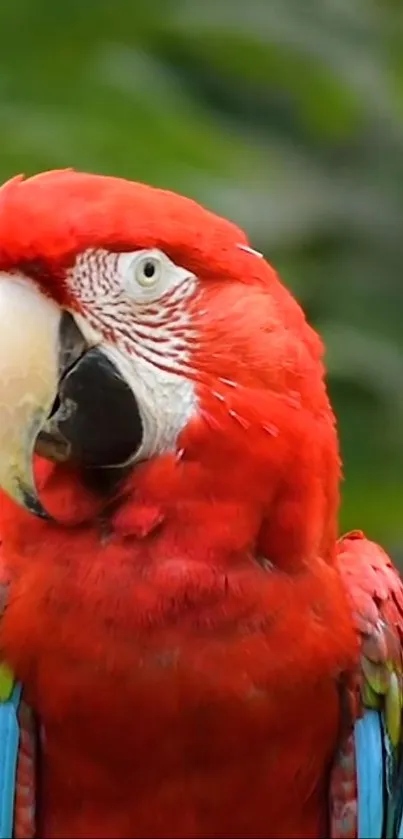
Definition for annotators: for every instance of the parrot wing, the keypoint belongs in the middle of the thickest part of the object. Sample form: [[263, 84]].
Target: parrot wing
[[376, 594], [24, 786]]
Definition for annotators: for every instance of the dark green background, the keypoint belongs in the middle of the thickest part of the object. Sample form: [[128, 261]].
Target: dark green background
[[286, 115]]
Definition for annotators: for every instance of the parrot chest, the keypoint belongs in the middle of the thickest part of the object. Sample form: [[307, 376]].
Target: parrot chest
[[182, 756], [196, 738], [192, 714]]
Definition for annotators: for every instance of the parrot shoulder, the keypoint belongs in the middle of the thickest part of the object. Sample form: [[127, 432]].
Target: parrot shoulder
[[375, 591]]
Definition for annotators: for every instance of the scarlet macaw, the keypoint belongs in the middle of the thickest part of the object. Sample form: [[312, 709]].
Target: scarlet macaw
[[199, 655]]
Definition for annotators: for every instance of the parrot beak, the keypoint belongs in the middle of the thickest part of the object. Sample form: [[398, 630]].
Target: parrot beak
[[29, 328], [60, 396]]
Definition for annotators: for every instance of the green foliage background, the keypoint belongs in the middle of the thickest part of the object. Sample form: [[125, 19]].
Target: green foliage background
[[286, 115]]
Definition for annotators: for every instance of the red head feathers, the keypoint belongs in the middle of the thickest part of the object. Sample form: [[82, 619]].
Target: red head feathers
[[263, 421]]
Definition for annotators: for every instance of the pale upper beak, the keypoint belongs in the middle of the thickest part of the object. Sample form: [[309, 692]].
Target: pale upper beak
[[29, 329], [60, 395]]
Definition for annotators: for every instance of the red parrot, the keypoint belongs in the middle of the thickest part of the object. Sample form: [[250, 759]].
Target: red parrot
[[195, 645]]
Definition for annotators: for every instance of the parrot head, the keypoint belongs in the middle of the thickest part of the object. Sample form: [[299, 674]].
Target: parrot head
[[137, 329]]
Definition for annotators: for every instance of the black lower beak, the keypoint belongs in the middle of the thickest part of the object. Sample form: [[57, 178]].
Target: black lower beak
[[95, 420]]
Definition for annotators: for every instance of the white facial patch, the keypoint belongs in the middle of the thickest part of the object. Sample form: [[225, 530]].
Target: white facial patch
[[136, 306]]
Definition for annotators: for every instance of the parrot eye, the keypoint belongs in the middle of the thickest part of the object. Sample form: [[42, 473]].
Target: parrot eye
[[149, 274], [147, 270]]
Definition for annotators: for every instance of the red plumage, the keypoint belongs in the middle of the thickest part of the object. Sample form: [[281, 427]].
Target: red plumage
[[186, 646]]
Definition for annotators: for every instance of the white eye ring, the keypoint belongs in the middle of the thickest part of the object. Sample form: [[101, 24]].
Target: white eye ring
[[148, 270]]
